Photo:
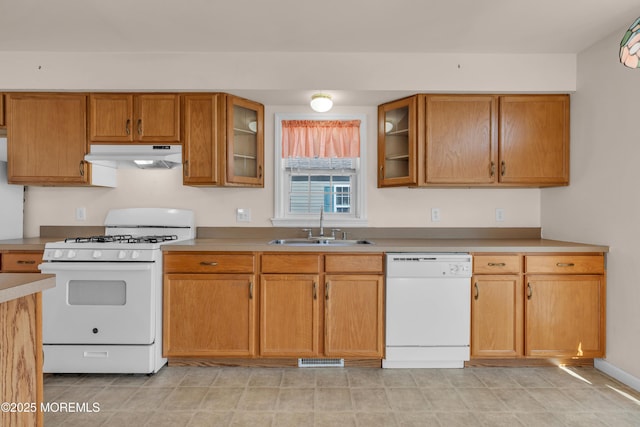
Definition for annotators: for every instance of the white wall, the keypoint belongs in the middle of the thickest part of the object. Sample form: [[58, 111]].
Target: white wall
[[286, 72], [392, 207], [602, 205]]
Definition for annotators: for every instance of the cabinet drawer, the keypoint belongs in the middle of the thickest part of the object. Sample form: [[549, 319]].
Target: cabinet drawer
[[21, 262], [290, 263], [497, 264], [353, 263], [211, 262], [565, 264]]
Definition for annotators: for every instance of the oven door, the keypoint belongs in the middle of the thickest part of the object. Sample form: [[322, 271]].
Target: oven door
[[100, 303]]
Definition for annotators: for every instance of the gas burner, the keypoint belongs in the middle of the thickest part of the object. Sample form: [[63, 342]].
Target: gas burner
[[122, 238], [100, 239], [153, 239]]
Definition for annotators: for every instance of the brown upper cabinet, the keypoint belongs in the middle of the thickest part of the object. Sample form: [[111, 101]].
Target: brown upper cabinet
[[47, 139], [534, 139], [397, 135], [223, 141], [127, 117], [477, 140], [2, 116], [459, 139]]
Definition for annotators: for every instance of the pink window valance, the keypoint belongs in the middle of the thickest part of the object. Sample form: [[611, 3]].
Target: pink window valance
[[320, 138]]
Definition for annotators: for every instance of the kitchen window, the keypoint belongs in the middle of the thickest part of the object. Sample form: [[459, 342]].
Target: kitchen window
[[319, 165]]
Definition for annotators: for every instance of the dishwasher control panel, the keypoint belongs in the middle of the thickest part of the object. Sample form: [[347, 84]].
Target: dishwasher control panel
[[428, 265]]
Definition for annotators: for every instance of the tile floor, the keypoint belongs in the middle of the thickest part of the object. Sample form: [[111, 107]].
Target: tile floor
[[256, 397]]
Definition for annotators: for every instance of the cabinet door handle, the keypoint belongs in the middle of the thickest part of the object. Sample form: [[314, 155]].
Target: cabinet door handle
[[139, 126], [565, 264], [326, 291], [496, 264], [210, 264], [529, 291], [185, 168], [477, 295], [492, 169], [503, 168], [81, 167], [127, 127], [251, 289], [315, 290], [381, 173], [260, 171], [26, 261]]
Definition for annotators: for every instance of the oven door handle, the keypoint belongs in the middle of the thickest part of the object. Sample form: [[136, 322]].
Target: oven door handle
[[53, 267]]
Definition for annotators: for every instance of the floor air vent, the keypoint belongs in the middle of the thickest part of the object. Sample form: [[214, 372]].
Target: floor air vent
[[320, 363]]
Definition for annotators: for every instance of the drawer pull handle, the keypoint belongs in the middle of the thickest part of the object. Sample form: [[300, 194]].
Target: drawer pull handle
[[477, 295], [529, 291], [565, 264], [210, 264], [497, 264], [26, 261]]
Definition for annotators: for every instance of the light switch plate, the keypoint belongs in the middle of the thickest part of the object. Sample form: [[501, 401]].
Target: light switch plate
[[435, 214], [243, 215], [81, 214], [499, 214]]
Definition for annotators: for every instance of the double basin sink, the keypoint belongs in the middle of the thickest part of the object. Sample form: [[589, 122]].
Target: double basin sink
[[319, 242]]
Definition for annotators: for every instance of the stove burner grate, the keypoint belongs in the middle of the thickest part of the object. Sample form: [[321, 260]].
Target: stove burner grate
[[122, 238]]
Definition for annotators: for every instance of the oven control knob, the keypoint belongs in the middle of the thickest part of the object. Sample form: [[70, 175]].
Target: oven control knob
[[94, 330], [71, 254], [122, 254], [57, 253], [97, 254], [135, 254]]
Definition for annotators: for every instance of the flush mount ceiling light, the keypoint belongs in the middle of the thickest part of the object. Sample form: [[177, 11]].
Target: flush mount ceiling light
[[321, 102], [630, 46]]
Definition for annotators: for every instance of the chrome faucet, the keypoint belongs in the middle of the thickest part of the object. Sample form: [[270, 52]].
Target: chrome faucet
[[321, 237]]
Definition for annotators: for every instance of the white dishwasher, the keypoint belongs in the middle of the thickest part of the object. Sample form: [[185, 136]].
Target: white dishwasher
[[428, 310]]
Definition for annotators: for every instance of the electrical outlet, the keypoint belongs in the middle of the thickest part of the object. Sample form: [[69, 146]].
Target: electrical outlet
[[435, 214], [499, 214], [81, 214], [243, 215]]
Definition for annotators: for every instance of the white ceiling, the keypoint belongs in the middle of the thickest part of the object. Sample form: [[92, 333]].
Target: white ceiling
[[424, 26], [470, 26]]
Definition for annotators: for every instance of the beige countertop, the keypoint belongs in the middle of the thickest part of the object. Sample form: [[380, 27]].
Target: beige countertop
[[391, 245], [17, 285], [239, 239], [27, 243]]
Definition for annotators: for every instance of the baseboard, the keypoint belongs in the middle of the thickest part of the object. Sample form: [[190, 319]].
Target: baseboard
[[617, 373]]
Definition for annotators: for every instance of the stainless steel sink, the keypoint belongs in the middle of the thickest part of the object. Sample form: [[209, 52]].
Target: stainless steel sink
[[319, 242]]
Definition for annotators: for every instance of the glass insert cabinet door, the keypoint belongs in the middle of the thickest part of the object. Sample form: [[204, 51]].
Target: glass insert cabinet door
[[245, 142], [397, 130]]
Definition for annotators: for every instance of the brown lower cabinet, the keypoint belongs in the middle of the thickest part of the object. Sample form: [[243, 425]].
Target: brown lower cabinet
[[209, 305], [538, 306], [289, 315], [302, 306], [20, 261]]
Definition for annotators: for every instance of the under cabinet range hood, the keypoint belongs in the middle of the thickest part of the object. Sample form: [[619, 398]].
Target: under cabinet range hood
[[139, 155]]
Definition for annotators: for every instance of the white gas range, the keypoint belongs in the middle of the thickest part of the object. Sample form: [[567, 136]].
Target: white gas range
[[105, 313]]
